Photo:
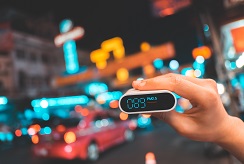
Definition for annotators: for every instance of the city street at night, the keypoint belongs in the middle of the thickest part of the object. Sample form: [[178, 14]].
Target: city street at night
[[163, 141], [122, 82]]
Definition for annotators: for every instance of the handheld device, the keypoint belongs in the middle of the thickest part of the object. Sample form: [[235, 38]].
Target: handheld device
[[135, 101]]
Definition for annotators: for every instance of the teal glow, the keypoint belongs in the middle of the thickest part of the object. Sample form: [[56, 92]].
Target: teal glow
[[233, 65], [3, 100], [24, 131], [60, 101], [28, 114], [174, 65], [96, 88], [241, 78], [143, 122], [234, 82], [158, 63], [206, 27], [109, 96], [9, 136], [184, 70], [47, 130], [65, 25], [45, 116], [71, 57], [2, 136]]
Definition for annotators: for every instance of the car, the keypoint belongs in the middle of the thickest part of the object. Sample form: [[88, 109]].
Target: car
[[83, 137]]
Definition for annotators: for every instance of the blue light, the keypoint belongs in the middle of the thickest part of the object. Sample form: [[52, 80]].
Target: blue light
[[65, 25], [28, 114], [44, 103], [9, 136], [233, 65], [109, 96], [184, 70], [96, 88], [60, 101], [158, 63], [174, 65], [241, 78], [24, 131], [3, 100], [45, 116], [2, 136], [143, 122], [205, 27], [71, 57], [47, 130], [200, 59], [234, 82]]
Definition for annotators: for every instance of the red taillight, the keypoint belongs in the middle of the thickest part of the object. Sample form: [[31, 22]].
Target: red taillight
[[69, 137], [18, 133]]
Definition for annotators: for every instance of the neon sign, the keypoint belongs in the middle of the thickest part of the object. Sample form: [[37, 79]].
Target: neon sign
[[67, 39]]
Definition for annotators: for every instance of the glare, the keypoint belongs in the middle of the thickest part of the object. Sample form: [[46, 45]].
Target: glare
[[200, 59], [221, 88], [174, 65], [140, 78], [197, 73], [68, 149], [240, 61], [3, 100], [44, 103]]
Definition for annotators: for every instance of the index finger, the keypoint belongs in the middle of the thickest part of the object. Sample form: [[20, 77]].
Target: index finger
[[180, 86]]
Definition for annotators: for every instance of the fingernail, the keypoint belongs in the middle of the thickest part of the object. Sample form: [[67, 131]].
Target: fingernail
[[137, 82]]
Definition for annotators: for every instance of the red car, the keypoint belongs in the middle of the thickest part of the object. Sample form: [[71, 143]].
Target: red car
[[83, 137]]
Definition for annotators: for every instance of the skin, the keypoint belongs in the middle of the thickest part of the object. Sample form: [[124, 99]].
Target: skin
[[207, 120]]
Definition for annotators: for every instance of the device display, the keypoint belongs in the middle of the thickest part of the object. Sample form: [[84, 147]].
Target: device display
[[147, 101]]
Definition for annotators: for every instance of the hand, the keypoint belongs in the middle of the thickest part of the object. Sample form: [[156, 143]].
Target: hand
[[207, 120]]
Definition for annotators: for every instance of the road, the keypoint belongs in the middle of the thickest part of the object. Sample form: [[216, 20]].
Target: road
[[164, 142]]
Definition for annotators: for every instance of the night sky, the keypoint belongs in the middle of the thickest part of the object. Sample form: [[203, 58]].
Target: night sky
[[132, 20]]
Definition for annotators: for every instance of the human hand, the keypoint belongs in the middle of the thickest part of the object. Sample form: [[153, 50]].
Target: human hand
[[207, 120]]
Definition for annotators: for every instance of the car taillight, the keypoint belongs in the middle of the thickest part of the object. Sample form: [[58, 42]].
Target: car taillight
[[69, 137]]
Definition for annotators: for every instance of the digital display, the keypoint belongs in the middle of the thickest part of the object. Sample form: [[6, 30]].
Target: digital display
[[147, 102]]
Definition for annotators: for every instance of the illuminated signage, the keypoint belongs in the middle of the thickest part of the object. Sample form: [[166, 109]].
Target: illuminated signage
[[101, 56], [66, 38], [74, 34], [60, 101]]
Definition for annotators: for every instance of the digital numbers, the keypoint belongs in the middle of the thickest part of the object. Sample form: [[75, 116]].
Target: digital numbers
[[136, 103]]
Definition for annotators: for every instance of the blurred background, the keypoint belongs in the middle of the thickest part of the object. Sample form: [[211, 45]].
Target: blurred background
[[64, 66]]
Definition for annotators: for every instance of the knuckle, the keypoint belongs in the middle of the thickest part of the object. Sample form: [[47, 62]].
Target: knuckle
[[175, 80], [211, 82]]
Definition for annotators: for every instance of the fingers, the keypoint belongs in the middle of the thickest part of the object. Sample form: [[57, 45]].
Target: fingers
[[172, 118], [188, 89]]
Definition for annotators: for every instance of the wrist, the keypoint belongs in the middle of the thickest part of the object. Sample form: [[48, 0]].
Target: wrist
[[230, 132]]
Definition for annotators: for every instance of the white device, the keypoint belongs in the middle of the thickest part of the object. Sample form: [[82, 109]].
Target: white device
[[135, 101]]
